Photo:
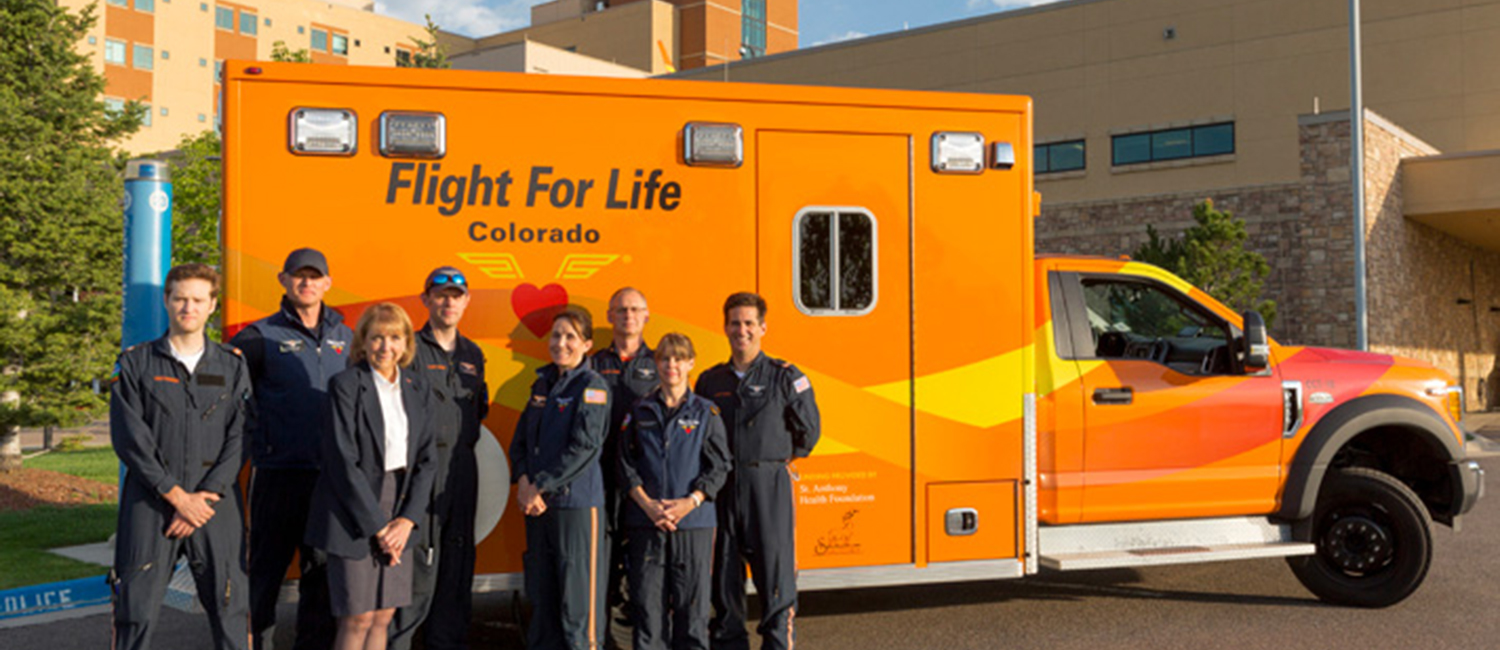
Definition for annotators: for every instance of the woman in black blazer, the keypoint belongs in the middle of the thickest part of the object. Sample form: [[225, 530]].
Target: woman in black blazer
[[379, 459]]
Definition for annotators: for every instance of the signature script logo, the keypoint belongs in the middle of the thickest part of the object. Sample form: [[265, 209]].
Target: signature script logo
[[839, 540]]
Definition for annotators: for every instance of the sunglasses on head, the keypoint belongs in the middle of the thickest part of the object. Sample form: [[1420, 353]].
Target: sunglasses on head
[[442, 279]]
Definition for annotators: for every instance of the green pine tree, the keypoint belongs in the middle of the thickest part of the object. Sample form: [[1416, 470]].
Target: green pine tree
[[195, 198], [430, 52], [60, 222], [1212, 257]]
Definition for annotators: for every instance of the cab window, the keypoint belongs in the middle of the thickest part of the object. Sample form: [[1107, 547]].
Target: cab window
[[1142, 320]]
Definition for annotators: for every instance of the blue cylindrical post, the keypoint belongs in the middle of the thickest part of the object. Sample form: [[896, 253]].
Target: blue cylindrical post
[[148, 249]]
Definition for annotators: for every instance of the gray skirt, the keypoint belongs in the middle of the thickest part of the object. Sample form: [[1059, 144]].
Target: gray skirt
[[367, 584]]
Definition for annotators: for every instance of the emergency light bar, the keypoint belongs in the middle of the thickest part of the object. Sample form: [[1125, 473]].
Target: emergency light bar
[[716, 145], [957, 153], [323, 131], [408, 134]]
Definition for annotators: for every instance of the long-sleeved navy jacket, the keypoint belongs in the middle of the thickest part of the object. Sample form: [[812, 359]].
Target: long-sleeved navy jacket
[[560, 437], [670, 453]]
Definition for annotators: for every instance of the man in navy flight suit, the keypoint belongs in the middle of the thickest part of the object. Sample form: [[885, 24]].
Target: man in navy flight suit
[[176, 414], [629, 368], [443, 581], [292, 355], [772, 418]]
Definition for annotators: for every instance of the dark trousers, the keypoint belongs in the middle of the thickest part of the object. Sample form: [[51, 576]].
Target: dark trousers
[[145, 558], [756, 525], [567, 554], [279, 500], [443, 591], [669, 587]]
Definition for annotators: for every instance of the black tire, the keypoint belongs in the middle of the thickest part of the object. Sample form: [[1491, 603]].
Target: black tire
[[1374, 540]]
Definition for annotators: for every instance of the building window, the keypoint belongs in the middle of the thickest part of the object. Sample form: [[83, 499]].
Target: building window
[[834, 263], [120, 3], [142, 58], [163, 111], [202, 117], [148, 6], [1060, 157], [114, 51], [341, 44], [93, 40], [224, 18], [202, 62], [301, 29], [165, 55], [752, 28], [268, 22], [247, 23], [319, 40], [114, 106], [1174, 144], [403, 58], [146, 117], [218, 71]]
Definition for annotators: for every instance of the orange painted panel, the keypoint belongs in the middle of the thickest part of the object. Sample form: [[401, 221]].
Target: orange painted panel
[[129, 25], [998, 525], [537, 206]]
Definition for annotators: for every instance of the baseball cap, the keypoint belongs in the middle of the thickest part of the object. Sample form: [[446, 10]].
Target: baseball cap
[[446, 276], [305, 258]]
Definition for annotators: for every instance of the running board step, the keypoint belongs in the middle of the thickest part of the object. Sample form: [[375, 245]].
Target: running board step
[[1172, 555]]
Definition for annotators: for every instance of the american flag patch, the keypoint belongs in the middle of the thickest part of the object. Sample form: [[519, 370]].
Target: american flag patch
[[802, 384], [595, 396]]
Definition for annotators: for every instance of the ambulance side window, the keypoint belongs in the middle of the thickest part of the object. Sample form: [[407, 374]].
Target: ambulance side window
[[834, 261]]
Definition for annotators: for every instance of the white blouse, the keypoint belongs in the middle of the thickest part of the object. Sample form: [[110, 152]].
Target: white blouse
[[393, 413]]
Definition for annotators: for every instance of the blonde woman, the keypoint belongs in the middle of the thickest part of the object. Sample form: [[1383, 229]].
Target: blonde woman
[[379, 459]]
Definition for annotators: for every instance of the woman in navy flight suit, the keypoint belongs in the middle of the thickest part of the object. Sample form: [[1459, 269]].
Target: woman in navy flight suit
[[673, 458], [379, 457], [555, 457]]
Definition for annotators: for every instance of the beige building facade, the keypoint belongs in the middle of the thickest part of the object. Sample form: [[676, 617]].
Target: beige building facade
[[656, 36], [166, 53], [1145, 107]]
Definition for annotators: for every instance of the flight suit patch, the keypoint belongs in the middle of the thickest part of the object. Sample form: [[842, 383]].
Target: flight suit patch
[[538, 401], [802, 384], [467, 368], [292, 345], [595, 396], [645, 374], [337, 346]]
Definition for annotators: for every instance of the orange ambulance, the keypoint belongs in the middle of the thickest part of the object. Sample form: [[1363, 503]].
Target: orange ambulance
[[987, 411]]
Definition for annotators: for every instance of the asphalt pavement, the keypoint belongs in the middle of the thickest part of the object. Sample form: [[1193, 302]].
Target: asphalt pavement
[[1248, 604]]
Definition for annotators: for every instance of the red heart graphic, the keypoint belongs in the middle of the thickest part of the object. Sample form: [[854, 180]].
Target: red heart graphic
[[536, 307]]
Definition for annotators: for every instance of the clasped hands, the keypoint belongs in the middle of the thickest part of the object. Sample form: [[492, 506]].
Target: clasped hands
[[392, 538], [664, 513], [193, 510]]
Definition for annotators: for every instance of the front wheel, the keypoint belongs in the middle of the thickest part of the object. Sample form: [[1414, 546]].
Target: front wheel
[[1373, 537]]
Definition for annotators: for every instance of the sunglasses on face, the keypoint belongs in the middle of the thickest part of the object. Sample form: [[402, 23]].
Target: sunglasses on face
[[443, 279]]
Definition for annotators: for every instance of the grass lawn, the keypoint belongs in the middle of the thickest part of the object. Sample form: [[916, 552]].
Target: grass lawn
[[95, 464], [25, 536]]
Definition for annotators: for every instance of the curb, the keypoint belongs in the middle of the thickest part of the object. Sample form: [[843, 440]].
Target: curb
[[54, 597]]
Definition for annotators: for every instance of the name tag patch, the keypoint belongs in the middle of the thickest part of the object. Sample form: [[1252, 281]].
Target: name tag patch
[[210, 380]]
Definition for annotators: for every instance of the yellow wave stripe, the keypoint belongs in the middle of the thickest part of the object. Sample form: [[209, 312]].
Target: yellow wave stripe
[[979, 394]]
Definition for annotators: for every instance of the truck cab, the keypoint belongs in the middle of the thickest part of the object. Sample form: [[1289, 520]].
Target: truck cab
[[1159, 404]]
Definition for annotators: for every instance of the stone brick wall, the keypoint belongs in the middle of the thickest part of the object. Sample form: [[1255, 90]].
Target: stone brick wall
[[1418, 276], [1305, 230]]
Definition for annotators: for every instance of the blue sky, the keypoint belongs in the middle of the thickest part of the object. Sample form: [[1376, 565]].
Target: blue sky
[[822, 21]]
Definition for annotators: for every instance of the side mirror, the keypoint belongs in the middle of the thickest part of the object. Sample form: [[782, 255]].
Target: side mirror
[[1257, 347]]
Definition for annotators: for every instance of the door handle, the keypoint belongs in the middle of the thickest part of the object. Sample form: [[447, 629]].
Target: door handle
[[1113, 396]]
